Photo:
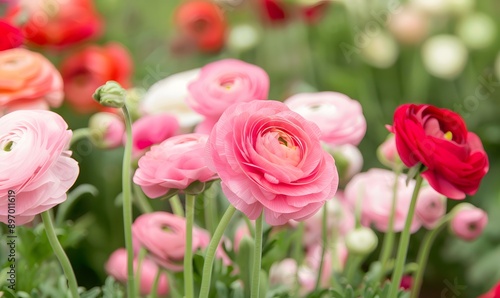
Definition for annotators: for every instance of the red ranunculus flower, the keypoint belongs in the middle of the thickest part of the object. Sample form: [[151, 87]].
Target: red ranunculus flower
[[278, 11], [57, 23], [91, 67], [10, 36], [454, 158], [202, 23], [493, 293]]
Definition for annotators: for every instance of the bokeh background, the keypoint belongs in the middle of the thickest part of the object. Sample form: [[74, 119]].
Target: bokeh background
[[380, 52]]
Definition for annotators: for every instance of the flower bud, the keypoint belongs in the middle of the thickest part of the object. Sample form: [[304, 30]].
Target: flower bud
[[111, 95], [468, 221], [409, 26], [444, 56], [106, 130], [387, 153], [478, 31], [381, 51], [348, 160], [242, 38], [361, 241], [431, 207], [283, 273], [133, 101]]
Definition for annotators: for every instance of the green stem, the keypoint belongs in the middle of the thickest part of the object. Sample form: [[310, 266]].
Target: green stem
[[210, 208], [127, 202], [388, 244], [154, 288], [188, 254], [176, 205], [211, 250], [140, 259], [352, 265], [141, 200], [257, 258], [59, 252], [423, 254], [397, 274], [79, 134], [324, 245]]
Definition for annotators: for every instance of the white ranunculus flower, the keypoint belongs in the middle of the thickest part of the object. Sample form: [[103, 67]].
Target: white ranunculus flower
[[444, 56], [477, 30], [169, 96], [381, 51], [243, 37]]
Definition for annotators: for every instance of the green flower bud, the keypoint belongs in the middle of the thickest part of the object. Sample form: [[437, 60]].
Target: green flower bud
[[361, 241], [111, 95]]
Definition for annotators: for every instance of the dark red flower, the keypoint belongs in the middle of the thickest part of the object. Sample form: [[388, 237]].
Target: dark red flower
[[493, 293], [203, 23], [58, 23], [86, 70], [454, 158], [10, 36], [279, 11]]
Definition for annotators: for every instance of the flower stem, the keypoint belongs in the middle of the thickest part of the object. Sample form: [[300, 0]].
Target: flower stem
[[127, 203], [257, 258], [188, 254], [388, 244], [324, 245], [397, 274], [154, 288], [138, 270], [176, 205], [59, 252], [423, 254], [141, 200], [79, 134], [212, 248]]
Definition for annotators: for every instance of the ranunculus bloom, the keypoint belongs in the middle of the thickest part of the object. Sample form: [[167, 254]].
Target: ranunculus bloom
[[116, 266], [348, 159], [150, 130], [279, 11], [10, 36], [35, 164], [468, 222], [202, 23], [431, 207], [409, 26], [164, 236], [91, 67], [454, 158], [493, 293], [283, 273], [107, 130], [225, 82], [28, 81], [270, 160], [374, 190], [58, 23], [175, 164], [340, 118], [387, 153], [169, 96]]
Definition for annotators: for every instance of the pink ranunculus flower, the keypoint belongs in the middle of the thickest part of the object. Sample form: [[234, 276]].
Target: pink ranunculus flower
[[225, 82], [106, 129], [374, 190], [431, 207], [116, 266], [387, 153], [283, 273], [150, 130], [270, 160], [35, 163], [164, 236], [468, 222], [339, 117], [175, 164]]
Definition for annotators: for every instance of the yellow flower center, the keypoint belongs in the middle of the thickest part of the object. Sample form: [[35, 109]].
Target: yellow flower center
[[448, 135]]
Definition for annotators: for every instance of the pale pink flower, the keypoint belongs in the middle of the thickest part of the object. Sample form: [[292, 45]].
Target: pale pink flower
[[374, 190], [270, 160], [283, 273], [388, 154], [116, 266], [431, 207], [225, 82], [468, 222], [339, 117], [150, 130], [35, 163], [409, 26], [241, 232], [178, 163], [164, 236], [107, 130]]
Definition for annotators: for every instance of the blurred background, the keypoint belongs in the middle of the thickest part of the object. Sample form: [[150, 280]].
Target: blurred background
[[380, 52]]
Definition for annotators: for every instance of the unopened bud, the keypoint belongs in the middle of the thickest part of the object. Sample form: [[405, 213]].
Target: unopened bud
[[361, 241], [111, 95]]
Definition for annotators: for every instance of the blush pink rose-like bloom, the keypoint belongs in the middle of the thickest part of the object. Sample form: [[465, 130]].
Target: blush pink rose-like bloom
[[150, 130], [225, 82], [431, 207], [374, 190], [175, 164], [164, 236], [116, 266], [35, 164], [387, 153], [339, 117], [468, 222], [270, 160], [107, 130]]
